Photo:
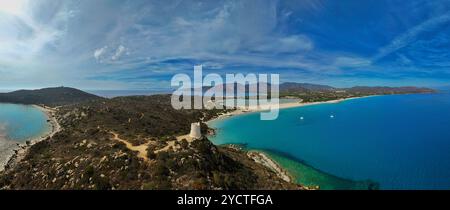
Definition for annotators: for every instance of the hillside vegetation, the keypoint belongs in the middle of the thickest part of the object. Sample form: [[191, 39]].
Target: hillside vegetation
[[56, 96], [85, 156], [313, 93]]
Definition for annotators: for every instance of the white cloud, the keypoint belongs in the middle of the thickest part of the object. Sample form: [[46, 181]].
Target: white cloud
[[99, 52], [119, 52], [286, 44], [77, 39], [409, 36], [344, 61], [108, 55], [403, 59], [67, 37], [15, 7]]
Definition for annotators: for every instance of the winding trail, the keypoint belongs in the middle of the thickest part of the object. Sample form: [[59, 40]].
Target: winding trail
[[172, 143], [141, 149]]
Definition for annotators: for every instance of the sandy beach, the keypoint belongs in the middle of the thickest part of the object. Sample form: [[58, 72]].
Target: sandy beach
[[12, 152], [251, 109]]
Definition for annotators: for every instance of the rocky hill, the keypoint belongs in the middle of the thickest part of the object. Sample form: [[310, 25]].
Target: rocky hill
[[86, 154], [48, 96]]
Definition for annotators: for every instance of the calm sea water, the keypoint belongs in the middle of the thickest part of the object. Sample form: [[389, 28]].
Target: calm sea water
[[21, 122], [398, 141]]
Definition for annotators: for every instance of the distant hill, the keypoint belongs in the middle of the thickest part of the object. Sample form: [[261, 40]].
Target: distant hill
[[284, 87], [55, 96], [252, 89], [305, 87], [295, 89], [313, 93], [388, 90]]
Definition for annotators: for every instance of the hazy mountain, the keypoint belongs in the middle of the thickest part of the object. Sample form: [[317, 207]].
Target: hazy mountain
[[388, 90], [293, 86]]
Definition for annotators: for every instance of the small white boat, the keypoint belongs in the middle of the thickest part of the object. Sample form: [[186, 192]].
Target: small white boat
[[301, 118], [331, 116]]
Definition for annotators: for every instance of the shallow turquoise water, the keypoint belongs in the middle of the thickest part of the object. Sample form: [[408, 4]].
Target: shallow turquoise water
[[21, 122], [399, 141]]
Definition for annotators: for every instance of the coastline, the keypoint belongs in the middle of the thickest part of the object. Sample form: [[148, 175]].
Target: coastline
[[297, 172], [19, 150], [240, 111], [268, 160], [314, 179], [261, 158]]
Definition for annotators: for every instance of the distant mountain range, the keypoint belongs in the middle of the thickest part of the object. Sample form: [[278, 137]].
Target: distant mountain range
[[391, 90], [304, 88], [55, 96], [293, 86]]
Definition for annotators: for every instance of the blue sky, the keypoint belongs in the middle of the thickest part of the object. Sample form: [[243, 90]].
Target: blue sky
[[141, 44]]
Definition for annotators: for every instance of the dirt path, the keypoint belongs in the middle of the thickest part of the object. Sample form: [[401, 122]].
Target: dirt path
[[172, 143], [141, 149]]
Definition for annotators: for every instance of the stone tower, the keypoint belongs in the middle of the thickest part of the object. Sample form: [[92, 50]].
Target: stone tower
[[195, 131]]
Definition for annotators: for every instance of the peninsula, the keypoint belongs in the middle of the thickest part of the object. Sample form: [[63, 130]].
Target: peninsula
[[141, 142]]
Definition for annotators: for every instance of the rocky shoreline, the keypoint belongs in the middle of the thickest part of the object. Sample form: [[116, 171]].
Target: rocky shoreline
[[264, 160], [7, 151]]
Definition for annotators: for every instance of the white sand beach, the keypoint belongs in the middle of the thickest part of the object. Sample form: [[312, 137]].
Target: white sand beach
[[261, 108]]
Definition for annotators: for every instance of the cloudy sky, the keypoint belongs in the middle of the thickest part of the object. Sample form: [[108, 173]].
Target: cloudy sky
[[134, 44]]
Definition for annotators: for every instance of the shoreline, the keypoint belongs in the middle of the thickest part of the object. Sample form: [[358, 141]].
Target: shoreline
[[296, 171], [19, 150], [312, 178], [263, 159], [259, 156], [249, 110]]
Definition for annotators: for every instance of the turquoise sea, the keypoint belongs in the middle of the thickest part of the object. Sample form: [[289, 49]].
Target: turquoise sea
[[397, 141], [21, 122]]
